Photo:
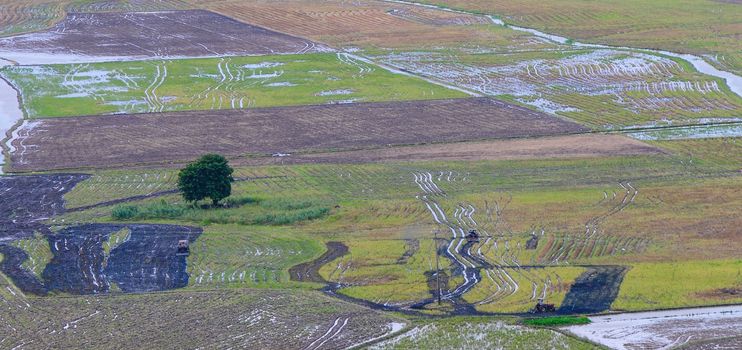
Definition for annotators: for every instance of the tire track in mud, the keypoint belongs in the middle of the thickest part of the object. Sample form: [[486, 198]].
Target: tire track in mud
[[594, 241], [309, 271], [456, 251]]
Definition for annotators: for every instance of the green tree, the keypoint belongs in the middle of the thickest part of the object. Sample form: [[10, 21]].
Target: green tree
[[208, 177]]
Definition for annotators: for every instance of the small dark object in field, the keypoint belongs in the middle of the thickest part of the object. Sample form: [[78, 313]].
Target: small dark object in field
[[541, 307], [183, 249], [532, 243], [473, 236]]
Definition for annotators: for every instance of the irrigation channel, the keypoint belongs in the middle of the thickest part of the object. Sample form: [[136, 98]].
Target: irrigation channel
[[733, 81]]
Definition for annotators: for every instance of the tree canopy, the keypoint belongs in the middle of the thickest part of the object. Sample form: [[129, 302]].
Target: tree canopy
[[208, 177]]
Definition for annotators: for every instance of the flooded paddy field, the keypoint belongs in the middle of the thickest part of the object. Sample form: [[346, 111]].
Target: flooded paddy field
[[666, 329]]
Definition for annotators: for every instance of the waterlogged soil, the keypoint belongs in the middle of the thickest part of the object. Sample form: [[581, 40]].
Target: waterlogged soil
[[309, 271], [143, 260], [594, 290], [27, 201], [157, 138], [166, 34]]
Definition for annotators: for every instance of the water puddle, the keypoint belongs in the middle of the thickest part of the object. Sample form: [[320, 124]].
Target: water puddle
[[662, 329], [10, 110]]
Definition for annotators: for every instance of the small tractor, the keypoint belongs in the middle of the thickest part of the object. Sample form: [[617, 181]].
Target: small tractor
[[183, 249], [473, 236], [541, 307]]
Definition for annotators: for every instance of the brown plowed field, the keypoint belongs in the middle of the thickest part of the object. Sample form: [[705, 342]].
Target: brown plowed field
[[156, 34], [180, 136], [355, 23], [567, 146]]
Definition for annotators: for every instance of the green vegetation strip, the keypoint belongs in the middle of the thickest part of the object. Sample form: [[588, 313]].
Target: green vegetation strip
[[556, 321], [242, 210]]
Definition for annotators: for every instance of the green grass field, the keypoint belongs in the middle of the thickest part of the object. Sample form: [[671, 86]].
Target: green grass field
[[209, 84], [680, 209]]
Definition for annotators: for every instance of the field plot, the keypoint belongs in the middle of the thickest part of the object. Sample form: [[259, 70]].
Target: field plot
[[183, 136], [29, 200], [571, 146], [369, 24], [475, 333], [25, 16], [601, 88], [211, 84], [663, 329], [161, 34], [691, 26], [244, 318]]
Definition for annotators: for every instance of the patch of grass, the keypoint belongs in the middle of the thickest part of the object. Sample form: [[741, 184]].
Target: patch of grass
[[240, 210], [649, 286], [211, 83], [38, 250], [258, 256], [556, 321]]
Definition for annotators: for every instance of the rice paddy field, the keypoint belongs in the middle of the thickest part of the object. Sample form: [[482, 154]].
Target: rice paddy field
[[211, 84], [700, 27], [449, 174]]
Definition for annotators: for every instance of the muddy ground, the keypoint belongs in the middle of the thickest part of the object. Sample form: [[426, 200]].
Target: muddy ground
[[594, 290], [182, 136], [309, 271], [142, 260], [191, 33], [26, 201]]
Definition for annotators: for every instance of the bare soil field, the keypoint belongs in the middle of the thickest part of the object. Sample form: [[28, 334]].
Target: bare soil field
[[569, 146], [247, 318], [189, 33], [365, 24], [175, 137]]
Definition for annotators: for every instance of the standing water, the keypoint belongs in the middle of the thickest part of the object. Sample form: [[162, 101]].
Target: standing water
[[733, 81], [10, 111]]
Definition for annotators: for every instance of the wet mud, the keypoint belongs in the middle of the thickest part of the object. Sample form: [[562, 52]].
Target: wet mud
[[594, 290], [164, 34], [144, 261], [309, 271], [411, 247], [26, 201]]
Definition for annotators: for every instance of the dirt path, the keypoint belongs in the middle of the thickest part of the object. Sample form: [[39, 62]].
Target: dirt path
[[309, 271]]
